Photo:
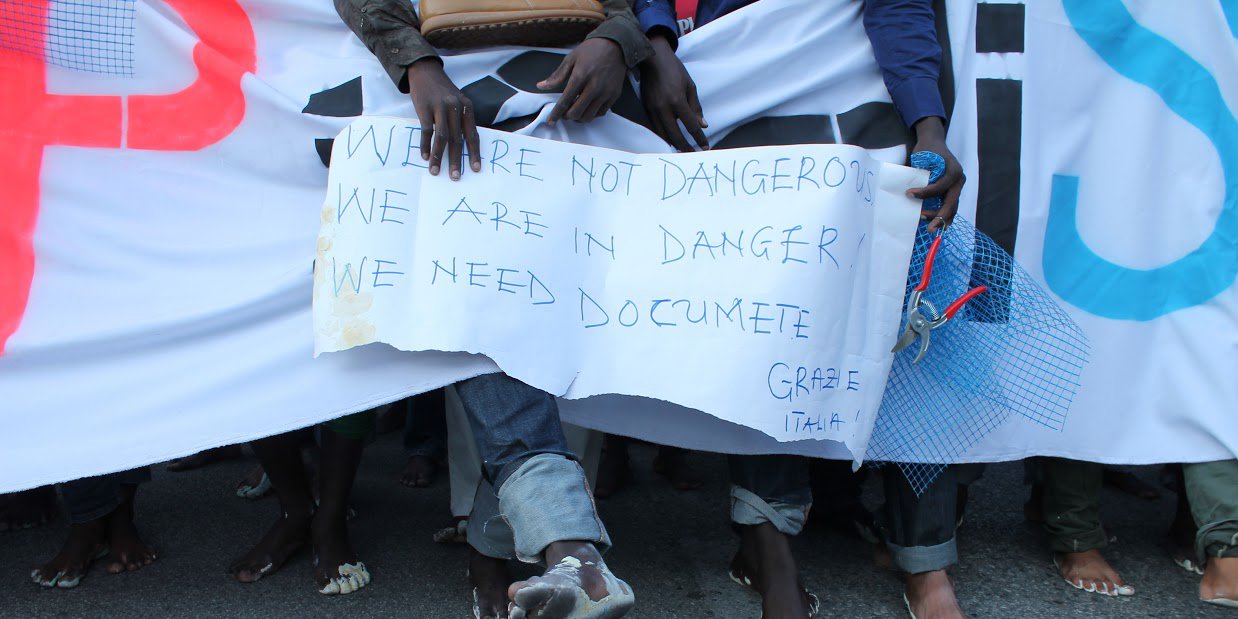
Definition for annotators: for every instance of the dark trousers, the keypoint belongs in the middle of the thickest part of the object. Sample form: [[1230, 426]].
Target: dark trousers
[[1212, 489], [770, 488], [920, 528], [425, 425], [1070, 494], [92, 498]]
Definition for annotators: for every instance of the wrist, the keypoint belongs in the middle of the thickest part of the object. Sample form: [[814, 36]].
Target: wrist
[[662, 50], [425, 65], [661, 42], [930, 129]]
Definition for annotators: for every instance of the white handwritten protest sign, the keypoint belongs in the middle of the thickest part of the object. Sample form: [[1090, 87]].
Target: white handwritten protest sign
[[760, 285]]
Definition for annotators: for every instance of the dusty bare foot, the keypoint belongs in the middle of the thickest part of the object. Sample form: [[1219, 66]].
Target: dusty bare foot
[[672, 463], [930, 595], [28, 508], [613, 471], [577, 585], [337, 570], [87, 542], [1089, 571], [203, 458], [419, 472], [288, 535], [255, 484], [490, 579], [457, 533], [127, 552], [765, 564], [1220, 582]]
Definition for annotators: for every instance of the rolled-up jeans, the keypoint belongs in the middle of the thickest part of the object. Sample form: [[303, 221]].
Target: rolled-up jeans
[[92, 498], [534, 492], [920, 528], [772, 488]]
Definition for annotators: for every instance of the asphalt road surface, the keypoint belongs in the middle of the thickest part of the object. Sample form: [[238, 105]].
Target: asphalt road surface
[[673, 547]]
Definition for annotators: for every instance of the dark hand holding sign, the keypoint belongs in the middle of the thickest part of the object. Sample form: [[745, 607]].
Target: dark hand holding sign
[[669, 95], [931, 136]]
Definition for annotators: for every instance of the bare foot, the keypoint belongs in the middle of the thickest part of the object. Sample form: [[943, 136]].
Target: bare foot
[[765, 564], [457, 533], [255, 484], [337, 570], [87, 542], [203, 458], [672, 463], [288, 535], [28, 508], [1089, 571], [613, 471], [127, 551], [930, 595], [1220, 582], [577, 585], [419, 472], [490, 579]]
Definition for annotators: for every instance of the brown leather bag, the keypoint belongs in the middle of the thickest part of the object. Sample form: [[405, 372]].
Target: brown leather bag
[[466, 24]]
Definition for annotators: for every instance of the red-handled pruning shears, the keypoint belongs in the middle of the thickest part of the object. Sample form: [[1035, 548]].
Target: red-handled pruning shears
[[922, 315]]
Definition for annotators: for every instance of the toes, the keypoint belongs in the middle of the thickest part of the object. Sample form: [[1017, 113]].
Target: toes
[[42, 579], [331, 588], [65, 581], [248, 574], [530, 595], [352, 577]]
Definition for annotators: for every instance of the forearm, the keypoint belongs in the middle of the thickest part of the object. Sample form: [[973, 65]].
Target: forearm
[[904, 38], [391, 31], [622, 28]]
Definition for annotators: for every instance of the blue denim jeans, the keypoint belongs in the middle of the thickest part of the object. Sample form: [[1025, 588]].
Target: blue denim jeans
[[774, 489], [920, 529], [534, 492], [92, 498]]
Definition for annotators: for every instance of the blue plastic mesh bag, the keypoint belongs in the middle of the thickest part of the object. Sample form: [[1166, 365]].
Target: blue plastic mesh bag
[[1010, 351], [87, 35]]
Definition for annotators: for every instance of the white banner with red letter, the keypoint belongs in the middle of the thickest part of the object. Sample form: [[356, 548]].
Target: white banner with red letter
[[158, 236]]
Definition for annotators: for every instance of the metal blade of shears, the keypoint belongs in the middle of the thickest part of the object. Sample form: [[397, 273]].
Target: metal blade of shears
[[905, 339], [924, 345]]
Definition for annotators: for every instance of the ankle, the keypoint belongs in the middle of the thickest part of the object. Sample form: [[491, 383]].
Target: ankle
[[581, 550]]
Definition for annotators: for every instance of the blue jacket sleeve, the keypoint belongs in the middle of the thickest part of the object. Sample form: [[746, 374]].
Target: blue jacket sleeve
[[904, 38], [658, 15]]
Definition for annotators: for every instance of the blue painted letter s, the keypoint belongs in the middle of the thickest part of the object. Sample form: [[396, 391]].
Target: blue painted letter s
[[1072, 269]]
